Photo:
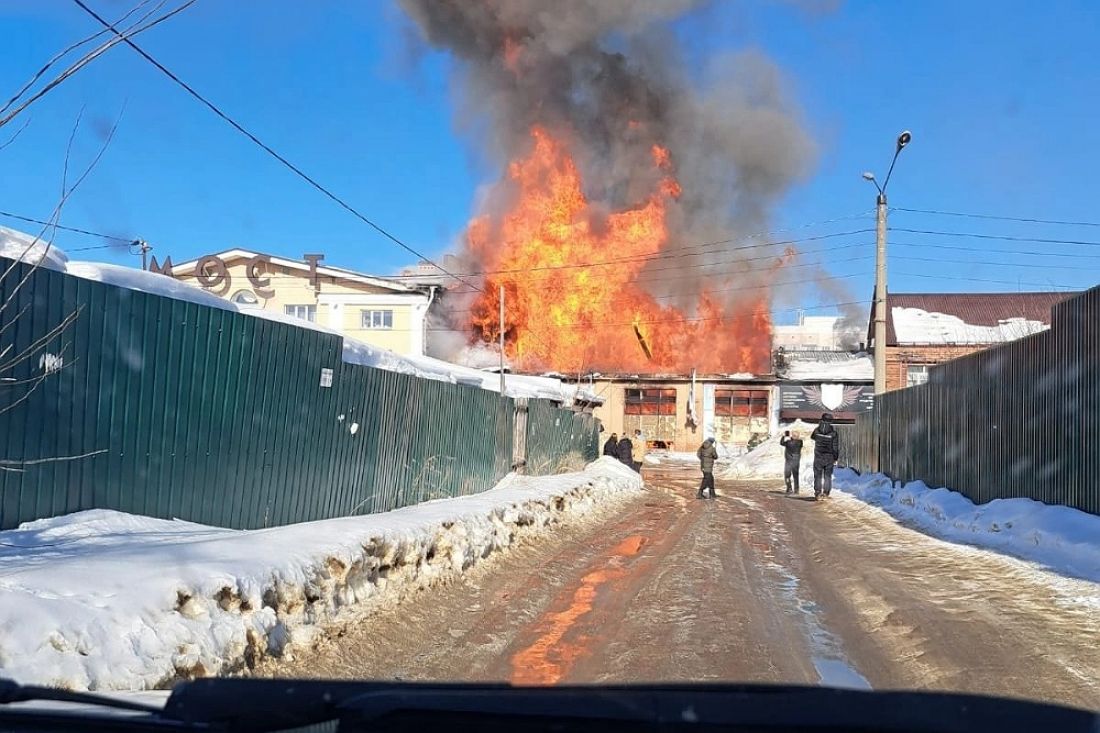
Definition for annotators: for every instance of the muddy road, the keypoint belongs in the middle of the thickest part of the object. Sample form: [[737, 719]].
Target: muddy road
[[755, 586]]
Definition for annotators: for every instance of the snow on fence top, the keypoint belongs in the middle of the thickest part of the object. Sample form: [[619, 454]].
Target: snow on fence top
[[918, 326], [16, 245]]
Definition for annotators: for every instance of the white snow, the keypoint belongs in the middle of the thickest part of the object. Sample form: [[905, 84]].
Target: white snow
[[106, 600], [857, 368], [1062, 538], [918, 326], [17, 245], [766, 460]]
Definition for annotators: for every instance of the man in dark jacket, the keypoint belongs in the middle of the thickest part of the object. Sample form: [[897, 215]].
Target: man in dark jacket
[[626, 452], [792, 457], [707, 454], [611, 447], [826, 454]]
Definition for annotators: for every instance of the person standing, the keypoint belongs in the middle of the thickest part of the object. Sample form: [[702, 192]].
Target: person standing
[[826, 454], [792, 458], [626, 451], [611, 447], [707, 454]]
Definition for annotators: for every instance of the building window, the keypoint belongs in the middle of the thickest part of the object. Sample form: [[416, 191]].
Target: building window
[[378, 319], [245, 297], [305, 312], [916, 374], [650, 402], [741, 402]]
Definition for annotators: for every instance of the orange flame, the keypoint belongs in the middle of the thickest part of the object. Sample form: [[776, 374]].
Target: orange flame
[[573, 301]]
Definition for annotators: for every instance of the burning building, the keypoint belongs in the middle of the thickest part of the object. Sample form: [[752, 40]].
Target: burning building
[[621, 229]]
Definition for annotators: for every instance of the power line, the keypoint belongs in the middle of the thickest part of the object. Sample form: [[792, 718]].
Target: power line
[[1023, 219], [67, 229], [986, 280], [985, 262], [266, 148], [663, 255], [1003, 237], [1072, 255]]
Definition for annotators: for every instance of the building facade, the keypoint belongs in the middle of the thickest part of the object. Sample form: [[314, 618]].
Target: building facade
[[813, 382], [678, 412], [381, 311], [925, 329]]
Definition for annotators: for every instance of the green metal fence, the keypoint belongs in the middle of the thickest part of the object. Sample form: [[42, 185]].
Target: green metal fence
[[162, 407], [1018, 420], [559, 440]]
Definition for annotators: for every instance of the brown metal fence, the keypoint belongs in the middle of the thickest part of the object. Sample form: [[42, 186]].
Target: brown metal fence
[[1018, 420]]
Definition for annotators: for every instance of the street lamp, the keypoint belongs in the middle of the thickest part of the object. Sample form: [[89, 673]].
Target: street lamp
[[880, 264]]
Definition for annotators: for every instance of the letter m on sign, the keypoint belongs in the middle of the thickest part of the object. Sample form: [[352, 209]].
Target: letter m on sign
[[165, 269]]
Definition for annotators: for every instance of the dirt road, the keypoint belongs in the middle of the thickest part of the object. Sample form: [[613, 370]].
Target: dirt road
[[754, 586]]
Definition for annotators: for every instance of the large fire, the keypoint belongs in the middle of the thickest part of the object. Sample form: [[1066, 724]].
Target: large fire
[[573, 299]]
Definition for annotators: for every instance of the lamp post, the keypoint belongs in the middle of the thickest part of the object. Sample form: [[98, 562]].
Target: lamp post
[[880, 265]]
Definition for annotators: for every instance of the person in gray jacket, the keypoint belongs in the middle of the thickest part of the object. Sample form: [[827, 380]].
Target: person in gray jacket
[[707, 454]]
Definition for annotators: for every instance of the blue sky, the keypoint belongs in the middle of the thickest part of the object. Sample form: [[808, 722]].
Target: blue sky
[[1002, 98]]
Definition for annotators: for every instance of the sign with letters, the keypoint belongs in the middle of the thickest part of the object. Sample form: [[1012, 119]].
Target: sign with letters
[[212, 272]]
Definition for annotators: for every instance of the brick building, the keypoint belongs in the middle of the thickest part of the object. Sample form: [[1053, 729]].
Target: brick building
[[924, 329]]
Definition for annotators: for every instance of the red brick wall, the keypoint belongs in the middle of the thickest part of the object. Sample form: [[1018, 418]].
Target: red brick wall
[[898, 359]]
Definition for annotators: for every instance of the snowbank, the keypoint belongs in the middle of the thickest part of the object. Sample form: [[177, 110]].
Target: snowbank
[[918, 326], [1064, 539], [106, 600], [17, 245], [766, 460]]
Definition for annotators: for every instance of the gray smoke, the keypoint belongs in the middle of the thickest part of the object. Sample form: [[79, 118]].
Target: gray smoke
[[609, 75]]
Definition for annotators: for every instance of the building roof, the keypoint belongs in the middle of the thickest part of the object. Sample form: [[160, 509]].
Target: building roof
[[827, 366], [965, 318], [186, 268]]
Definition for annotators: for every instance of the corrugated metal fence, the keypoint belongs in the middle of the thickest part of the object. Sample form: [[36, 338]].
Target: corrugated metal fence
[[166, 408], [1018, 420]]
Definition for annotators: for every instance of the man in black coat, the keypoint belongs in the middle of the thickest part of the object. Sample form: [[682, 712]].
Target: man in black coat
[[611, 447], [626, 452], [792, 458], [826, 454]]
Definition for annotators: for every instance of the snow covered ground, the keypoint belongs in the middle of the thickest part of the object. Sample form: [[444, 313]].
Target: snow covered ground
[[766, 460], [1064, 539], [18, 245], [106, 600]]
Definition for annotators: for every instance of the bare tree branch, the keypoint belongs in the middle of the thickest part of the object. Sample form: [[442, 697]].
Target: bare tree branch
[[9, 465], [17, 133], [91, 56], [56, 215], [41, 342], [61, 54]]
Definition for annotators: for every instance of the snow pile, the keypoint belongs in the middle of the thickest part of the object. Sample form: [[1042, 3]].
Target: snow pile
[[918, 326], [106, 600], [853, 368], [766, 460], [15, 245], [1064, 539], [19, 246]]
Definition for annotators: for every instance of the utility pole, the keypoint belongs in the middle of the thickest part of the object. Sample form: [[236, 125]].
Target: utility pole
[[145, 249], [880, 265], [880, 294], [501, 340]]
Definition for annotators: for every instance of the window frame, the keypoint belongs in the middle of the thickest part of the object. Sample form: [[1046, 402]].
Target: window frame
[[366, 319], [659, 401], [925, 370], [310, 310]]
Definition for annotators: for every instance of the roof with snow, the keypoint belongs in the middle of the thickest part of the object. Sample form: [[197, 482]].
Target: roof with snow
[[828, 366], [229, 255], [965, 318]]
